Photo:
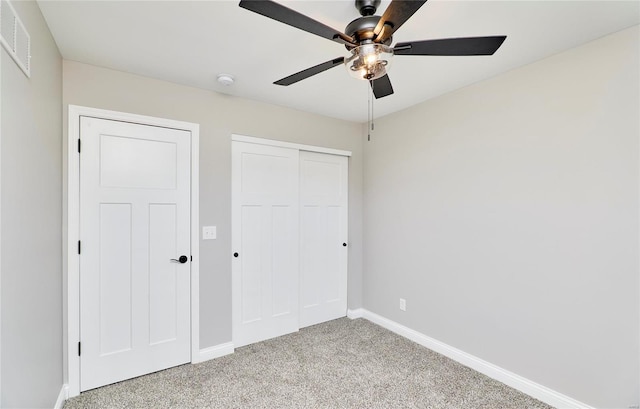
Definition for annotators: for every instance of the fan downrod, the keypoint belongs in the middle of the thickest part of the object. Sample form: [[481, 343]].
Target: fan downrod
[[367, 7], [362, 28]]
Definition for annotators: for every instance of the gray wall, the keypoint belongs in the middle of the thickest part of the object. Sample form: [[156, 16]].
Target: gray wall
[[506, 213], [31, 221], [219, 116]]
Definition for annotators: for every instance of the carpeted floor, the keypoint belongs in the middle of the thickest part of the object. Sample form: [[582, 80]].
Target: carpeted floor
[[339, 364]]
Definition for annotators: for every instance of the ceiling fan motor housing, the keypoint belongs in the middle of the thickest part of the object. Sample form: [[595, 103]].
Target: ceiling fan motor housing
[[361, 29], [367, 7]]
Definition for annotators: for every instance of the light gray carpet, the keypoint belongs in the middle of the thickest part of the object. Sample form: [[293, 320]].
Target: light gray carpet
[[339, 364]]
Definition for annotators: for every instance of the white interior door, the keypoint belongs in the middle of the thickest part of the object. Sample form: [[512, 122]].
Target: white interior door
[[323, 237], [134, 218], [264, 241]]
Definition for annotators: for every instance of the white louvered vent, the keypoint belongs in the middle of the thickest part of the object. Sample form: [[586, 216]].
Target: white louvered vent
[[14, 37]]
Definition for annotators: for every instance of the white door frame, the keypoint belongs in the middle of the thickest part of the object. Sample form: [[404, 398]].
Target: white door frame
[[0, 233], [282, 144], [72, 287]]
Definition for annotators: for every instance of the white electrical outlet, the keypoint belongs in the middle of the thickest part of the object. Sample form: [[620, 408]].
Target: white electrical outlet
[[403, 304]]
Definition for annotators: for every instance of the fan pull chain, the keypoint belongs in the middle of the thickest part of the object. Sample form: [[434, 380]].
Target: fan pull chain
[[370, 114]]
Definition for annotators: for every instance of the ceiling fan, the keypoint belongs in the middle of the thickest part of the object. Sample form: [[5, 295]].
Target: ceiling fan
[[369, 37]]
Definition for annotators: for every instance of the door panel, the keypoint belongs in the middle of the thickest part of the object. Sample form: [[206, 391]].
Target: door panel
[[323, 230], [284, 239], [265, 236], [163, 299], [134, 218], [336, 267], [142, 163], [251, 271], [114, 284]]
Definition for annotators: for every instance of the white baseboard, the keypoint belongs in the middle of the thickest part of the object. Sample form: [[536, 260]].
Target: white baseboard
[[518, 382], [213, 352], [357, 313], [62, 397]]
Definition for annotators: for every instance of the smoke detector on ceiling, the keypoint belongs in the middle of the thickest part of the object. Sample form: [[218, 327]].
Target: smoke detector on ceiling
[[226, 79]]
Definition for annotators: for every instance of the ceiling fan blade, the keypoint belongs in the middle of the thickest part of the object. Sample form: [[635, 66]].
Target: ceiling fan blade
[[285, 15], [381, 87], [451, 46], [299, 76], [394, 16]]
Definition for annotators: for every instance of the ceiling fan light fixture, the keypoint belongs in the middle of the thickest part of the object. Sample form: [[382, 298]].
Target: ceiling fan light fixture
[[368, 38], [369, 61]]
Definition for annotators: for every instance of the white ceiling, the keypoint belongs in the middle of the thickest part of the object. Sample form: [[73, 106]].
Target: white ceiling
[[191, 43]]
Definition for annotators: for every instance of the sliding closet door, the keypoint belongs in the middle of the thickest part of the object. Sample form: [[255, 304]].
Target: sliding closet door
[[265, 242], [323, 237]]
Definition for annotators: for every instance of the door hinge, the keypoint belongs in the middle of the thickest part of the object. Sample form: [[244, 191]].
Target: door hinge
[[79, 348], [78, 145], [79, 247]]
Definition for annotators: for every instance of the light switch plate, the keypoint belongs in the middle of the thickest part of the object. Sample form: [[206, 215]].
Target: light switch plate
[[209, 232]]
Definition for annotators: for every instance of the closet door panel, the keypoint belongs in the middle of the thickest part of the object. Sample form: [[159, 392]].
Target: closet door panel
[[265, 241], [323, 233]]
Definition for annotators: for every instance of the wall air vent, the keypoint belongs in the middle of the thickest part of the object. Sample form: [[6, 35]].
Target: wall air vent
[[14, 37]]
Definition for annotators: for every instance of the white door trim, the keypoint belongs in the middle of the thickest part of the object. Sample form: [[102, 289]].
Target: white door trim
[[72, 287], [0, 234], [298, 146]]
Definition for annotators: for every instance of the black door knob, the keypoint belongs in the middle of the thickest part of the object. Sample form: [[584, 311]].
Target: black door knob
[[181, 259], [235, 254], [344, 244]]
